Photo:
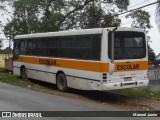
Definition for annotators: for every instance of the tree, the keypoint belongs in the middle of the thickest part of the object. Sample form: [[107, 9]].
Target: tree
[[1, 44], [141, 19], [8, 50], [1, 9], [3, 4], [25, 19], [158, 14], [4, 10], [54, 15], [151, 55], [97, 13], [92, 17], [50, 15]]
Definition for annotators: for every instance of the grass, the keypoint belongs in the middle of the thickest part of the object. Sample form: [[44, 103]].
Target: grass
[[11, 79], [146, 93]]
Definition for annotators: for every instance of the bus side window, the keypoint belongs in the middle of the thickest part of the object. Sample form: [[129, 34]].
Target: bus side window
[[41, 46], [23, 47], [96, 47], [53, 46], [32, 44], [16, 50], [66, 50], [83, 47], [87, 48]]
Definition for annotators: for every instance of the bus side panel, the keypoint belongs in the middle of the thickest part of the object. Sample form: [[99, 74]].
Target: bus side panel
[[92, 85], [78, 79], [43, 76], [35, 72], [82, 79], [84, 84]]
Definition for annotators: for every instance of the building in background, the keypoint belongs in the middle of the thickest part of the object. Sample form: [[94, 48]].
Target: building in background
[[4, 57]]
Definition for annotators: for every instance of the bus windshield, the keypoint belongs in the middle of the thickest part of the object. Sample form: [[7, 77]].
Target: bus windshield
[[128, 45]]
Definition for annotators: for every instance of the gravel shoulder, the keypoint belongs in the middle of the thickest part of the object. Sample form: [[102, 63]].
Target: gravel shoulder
[[107, 98]]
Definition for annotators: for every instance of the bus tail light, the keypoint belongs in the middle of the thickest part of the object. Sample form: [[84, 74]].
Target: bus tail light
[[104, 75], [127, 79]]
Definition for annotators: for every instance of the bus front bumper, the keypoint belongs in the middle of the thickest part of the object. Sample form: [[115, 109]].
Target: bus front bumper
[[123, 85]]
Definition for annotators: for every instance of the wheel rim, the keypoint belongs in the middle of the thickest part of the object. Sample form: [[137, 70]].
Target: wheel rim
[[24, 74]]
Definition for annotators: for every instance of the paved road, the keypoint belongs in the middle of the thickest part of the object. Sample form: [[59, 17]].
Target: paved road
[[13, 98]]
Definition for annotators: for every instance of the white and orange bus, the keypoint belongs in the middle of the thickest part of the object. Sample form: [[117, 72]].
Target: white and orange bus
[[91, 59]]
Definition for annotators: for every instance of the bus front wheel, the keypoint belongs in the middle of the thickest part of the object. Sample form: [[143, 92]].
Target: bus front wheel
[[24, 73], [62, 82]]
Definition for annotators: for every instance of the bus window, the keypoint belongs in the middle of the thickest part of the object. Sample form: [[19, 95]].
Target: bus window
[[83, 47], [53, 46], [96, 47], [16, 51], [41, 46], [66, 47], [32, 44], [23, 47], [128, 45]]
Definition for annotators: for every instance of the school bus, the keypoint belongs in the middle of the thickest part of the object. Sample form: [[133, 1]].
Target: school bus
[[89, 59]]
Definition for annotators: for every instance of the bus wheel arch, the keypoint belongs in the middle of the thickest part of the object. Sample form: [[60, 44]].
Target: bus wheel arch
[[61, 81], [23, 72]]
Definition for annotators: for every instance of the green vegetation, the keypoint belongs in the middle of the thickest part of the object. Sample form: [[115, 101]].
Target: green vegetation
[[146, 93], [11, 79], [32, 16]]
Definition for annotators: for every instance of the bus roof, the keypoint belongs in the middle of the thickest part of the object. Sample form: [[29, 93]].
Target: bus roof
[[74, 32]]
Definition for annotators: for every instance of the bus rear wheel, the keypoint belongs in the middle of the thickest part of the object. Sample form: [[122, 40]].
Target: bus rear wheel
[[62, 82], [24, 73]]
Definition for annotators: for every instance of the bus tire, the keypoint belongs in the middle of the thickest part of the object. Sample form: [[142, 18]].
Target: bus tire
[[24, 73], [62, 82]]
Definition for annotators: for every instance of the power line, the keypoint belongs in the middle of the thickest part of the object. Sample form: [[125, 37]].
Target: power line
[[130, 21], [137, 8], [116, 15], [136, 3]]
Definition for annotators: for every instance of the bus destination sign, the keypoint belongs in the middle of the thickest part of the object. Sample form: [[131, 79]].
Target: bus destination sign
[[47, 61]]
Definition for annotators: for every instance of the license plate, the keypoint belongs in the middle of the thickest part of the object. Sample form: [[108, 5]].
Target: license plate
[[127, 79], [125, 84]]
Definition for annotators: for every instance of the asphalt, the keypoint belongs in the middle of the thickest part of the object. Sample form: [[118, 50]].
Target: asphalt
[[13, 98]]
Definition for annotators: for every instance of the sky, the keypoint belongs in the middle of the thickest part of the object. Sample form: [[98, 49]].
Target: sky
[[154, 33]]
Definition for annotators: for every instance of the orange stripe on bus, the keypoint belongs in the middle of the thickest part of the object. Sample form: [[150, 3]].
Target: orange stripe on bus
[[131, 66], [72, 64], [88, 66]]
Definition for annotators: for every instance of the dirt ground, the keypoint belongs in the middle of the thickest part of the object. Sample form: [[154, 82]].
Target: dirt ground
[[108, 98]]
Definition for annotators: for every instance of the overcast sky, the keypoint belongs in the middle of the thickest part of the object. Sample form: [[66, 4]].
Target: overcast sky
[[153, 32]]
